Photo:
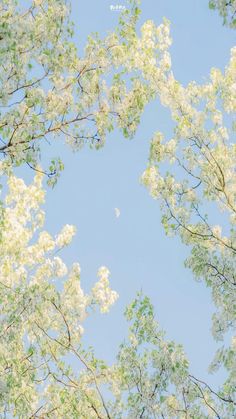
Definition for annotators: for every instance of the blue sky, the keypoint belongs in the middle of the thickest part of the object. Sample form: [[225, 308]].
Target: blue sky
[[134, 246]]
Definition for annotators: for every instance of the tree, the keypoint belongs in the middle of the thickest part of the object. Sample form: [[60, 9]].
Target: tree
[[48, 91], [43, 306], [152, 375], [193, 176], [42, 315], [227, 9], [42, 311], [198, 169]]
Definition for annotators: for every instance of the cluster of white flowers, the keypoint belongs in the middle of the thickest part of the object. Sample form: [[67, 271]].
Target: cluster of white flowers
[[45, 241], [102, 293], [59, 103], [148, 34], [217, 231], [65, 236], [149, 179], [75, 300], [217, 118], [59, 267]]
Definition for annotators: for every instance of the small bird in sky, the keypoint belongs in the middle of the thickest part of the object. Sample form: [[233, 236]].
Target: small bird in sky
[[117, 212]]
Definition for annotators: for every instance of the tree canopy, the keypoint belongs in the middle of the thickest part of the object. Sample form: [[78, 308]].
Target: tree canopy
[[47, 91]]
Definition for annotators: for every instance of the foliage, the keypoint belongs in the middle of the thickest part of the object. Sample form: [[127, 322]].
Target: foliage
[[227, 9], [43, 308], [193, 175], [154, 374], [48, 91]]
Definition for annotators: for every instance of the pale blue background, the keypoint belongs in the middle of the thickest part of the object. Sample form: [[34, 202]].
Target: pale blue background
[[134, 246]]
